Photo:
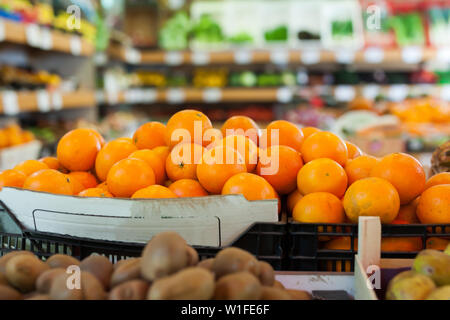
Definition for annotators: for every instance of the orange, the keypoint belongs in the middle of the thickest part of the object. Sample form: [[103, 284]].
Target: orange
[[406, 244], [279, 165], [217, 166], [187, 188], [103, 186], [407, 212], [183, 160], [404, 172], [307, 131], [319, 207], [434, 205], [293, 199], [440, 178], [353, 150], [324, 145], [238, 125], [12, 178], [87, 179], [52, 163], [283, 133], [154, 161], [50, 181], [251, 186], [150, 135], [128, 176], [95, 193], [75, 184], [78, 149], [341, 243], [194, 125], [372, 197], [437, 243], [154, 192], [162, 153], [245, 147], [212, 136], [322, 175], [29, 167], [111, 153], [360, 168]]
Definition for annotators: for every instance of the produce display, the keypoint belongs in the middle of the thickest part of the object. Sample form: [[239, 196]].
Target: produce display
[[13, 135], [17, 78]]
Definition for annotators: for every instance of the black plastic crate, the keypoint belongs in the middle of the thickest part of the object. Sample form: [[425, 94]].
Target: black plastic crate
[[305, 252]]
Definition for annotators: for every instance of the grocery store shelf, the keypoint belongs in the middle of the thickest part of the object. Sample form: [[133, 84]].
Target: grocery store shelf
[[44, 38], [15, 102], [376, 56]]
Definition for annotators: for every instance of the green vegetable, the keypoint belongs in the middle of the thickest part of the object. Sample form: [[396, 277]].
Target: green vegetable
[[288, 79], [207, 30], [241, 38], [248, 79], [278, 34], [174, 34], [342, 29], [408, 29]]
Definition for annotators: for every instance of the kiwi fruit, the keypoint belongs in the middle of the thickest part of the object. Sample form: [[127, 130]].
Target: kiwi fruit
[[8, 293], [120, 262], [44, 281], [128, 270], [164, 255], [23, 270], [193, 283], [3, 279], [130, 290], [271, 293], [6, 257], [238, 286], [62, 261], [192, 255], [231, 260], [40, 297], [92, 287], [206, 264], [278, 284], [266, 274], [100, 267], [299, 294]]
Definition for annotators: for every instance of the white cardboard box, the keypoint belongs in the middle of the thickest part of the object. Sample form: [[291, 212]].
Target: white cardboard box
[[10, 157]]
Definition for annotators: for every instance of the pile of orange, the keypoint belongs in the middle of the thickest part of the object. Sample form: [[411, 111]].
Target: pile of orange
[[13, 135], [324, 178]]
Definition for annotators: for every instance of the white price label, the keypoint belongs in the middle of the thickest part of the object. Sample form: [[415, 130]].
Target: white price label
[[398, 92], [149, 96], [57, 101], [445, 92], [374, 55], [173, 58], [242, 57], [284, 95], [112, 97], [345, 56], [279, 57], [46, 39], [33, 34], [132, 56], [43, 101], [412, 55], [175, 96], [344, 93], [100, 96], [310, 56], [443, 54], [371, 91], [212, 95], [2, 31], [10, 103], [75, 45], [133, 96], [200, 58]]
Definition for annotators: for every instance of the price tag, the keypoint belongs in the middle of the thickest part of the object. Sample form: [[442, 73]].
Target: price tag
[[43, 101], [344, 93], [445, 92], [310, 56], [412, 55], [374, 55], [132, 56], [173, 58], [2, 31], [10, 103], [100, 96], [149, 96], [284, 95], [175, 96], [57, 101], [279, 57], [133, 96], [212, 95], [398, 92], [46, 39], [200, 58], [75, 45], [33, 34], [371, 91], [443, 54], [345, 56], [242, 57], [112, 97]]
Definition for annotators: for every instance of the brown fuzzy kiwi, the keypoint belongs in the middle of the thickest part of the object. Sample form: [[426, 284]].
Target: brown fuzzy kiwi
[[62, 261], [192, 255], [192, 283], [278, 284], [6, 257], [44, 281], [130, 290], [271, 293], [120, 262], [238, 286], [100, 267], [206, 264], [299, 294], [90, 288], [3, 279], [164, 255], [266, 274], [231, 260], [40, 297], [128, 270], [23, 270], [8, 293]]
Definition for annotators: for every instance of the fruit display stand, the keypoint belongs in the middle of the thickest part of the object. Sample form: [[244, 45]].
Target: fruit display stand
[[14, 155]]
